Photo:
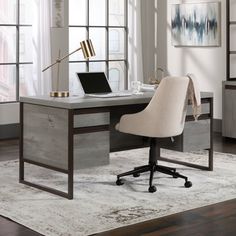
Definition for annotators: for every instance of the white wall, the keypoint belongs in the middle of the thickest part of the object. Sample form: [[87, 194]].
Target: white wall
[[149, 37], [154, 37], [208, 64]]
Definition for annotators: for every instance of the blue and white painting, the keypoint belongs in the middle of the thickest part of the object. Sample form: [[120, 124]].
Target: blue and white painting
[[196, 24]]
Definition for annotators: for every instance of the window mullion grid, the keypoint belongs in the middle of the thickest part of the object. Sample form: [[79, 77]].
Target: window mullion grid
[[107, 38], [92, 26], [126, 44], [107, 27], [99, 60], [87, 32], [18, 50], [14, 63], [15, 25]]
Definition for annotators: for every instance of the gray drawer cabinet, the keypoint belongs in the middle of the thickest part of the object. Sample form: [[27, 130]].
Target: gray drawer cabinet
[[91, 144], [196, 135], [45, 135], [91, 149], [229, 109]]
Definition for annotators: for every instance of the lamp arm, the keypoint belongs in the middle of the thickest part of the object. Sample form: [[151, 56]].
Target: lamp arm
[[69, 54], [61, 59]]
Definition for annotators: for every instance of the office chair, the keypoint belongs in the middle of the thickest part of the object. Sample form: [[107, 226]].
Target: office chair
[[163, 117]]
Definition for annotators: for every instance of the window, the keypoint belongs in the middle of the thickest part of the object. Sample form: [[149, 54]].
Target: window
[[15, 48], [105, 23], [114, 41], [114, 79]]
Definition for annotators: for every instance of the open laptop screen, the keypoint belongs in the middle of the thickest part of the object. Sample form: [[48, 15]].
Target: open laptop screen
[[94, 82]]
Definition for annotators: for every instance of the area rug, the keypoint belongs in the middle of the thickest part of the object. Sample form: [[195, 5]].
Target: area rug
[[100, 205]]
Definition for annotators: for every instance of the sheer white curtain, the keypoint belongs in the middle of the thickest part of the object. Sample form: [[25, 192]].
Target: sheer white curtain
[[41, 83], [135, 41]]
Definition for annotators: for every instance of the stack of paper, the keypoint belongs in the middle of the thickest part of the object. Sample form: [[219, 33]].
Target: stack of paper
[[147, 88]]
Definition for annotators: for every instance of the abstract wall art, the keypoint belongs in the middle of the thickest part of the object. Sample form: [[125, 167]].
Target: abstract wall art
[[196, 24]]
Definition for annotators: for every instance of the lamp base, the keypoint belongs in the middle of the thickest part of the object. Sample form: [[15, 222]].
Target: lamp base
[[59, 94]]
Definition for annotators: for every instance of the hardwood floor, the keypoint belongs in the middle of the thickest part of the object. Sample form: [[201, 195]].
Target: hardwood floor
[[218, 219], [9, 150], [225, 145], [10, 228]]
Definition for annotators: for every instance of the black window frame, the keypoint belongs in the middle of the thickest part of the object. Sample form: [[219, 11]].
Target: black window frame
[[18, 63], [107, 27]]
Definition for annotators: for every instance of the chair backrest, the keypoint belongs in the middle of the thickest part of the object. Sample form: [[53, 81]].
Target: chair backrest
[[167, 109]]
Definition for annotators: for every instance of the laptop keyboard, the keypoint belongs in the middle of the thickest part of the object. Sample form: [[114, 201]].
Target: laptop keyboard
[[110, 95]]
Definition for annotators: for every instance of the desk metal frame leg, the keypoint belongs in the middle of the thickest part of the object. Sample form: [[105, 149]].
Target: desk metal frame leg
[[69, 171], [210, 150]]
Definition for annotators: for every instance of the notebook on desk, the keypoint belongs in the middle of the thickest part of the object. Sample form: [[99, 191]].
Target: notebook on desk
[[95, 84]]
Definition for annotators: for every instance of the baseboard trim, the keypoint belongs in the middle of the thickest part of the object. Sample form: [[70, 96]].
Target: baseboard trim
[[10, 131]]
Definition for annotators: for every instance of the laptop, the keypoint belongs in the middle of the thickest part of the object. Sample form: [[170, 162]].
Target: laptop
[[95, 84]]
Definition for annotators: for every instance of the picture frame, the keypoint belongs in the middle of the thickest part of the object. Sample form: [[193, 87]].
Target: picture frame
[[196, 24]]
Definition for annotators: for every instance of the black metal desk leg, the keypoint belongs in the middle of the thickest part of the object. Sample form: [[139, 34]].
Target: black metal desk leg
[[70, 154], [210, 164], [21, 162]]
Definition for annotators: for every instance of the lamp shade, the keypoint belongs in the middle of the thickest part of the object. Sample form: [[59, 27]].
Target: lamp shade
[[87, 48]]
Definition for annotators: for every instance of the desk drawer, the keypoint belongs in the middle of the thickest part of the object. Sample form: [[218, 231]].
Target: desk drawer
[[196, 135], [93, 119], [91, 149], [205, 107]]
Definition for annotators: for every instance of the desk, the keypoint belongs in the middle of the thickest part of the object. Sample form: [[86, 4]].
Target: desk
[[63, 134]]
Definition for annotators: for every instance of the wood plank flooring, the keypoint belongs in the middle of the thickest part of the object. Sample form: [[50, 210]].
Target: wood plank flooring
[[214, 220], [218, 220], [10, 228], [9, 150]]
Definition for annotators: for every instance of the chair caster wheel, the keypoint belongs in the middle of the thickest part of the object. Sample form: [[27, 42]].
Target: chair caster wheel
[[152, 189], [175, 177], [119, 182], [188, 184], [136, 175]]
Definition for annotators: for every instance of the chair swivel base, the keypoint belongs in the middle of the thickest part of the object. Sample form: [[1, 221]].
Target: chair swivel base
[[153, 168]]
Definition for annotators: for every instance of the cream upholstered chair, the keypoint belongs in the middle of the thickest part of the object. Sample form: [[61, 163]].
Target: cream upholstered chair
[[163, 117]]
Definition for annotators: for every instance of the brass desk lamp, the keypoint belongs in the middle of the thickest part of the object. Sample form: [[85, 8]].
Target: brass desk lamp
[[88, 51]]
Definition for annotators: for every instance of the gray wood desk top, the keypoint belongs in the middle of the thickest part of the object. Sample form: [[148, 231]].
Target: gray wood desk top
[[91, 102]]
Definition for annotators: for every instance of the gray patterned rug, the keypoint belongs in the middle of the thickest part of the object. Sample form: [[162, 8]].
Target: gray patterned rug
[[100, 205]]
